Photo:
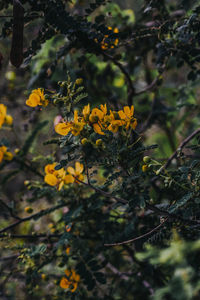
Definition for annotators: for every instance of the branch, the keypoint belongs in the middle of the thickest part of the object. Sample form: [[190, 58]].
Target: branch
[[138, 237], [30, 236], [131, 89], [9, 209], [148, 87], [181, 146], [155, 209], [34, 216]]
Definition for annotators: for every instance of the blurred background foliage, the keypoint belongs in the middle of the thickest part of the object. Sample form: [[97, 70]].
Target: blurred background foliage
[[152, 63]]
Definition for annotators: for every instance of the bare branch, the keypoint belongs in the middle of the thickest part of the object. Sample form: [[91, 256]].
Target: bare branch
[[181, 146], [138, 237]]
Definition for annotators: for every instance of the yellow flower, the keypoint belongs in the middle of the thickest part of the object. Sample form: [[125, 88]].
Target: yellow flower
[[105, 45], [86, 112], [63, 128], [114, 126], [4, 118], [70, 281], [55, 177], [97, 118], [75, 126], [4, 154], [77, 172], [37, 98], [127, 116]]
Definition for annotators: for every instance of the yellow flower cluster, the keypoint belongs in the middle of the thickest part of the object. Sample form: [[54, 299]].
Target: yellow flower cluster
[[59, 177], [99, 119], [105, 45], [4, 118], [70, 281], [37, 98], [4, 154]]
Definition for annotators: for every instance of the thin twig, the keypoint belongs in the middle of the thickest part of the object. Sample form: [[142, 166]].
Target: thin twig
[[34, 216], [138, 237], [29, 236], [181, 146], [155, 209], [131, 89], [148, 87], [10, 210]]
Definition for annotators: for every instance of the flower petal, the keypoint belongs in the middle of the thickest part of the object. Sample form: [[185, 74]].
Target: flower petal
[[127, 111], [78, 168], [64, 283], [51, 179], [71, 171], [97, 129], [33, 100], [69, 179], [63, 128]]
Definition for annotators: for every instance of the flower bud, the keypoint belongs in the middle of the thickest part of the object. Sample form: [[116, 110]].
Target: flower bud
[[17, 150], [26, 182], [8, 120], [99, 142], [10, 75], [56, 101], [43, 276], [28, 209], [79, 81], [146, 159], [144, 168], [84, 141]]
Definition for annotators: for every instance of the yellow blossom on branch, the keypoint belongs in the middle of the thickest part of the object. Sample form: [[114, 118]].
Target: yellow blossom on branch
[[104, 44], [37, 98], [60, 177], [4, 154], [76, 173], [99, 119], [127, 116], [75, 126], [54, 177], [4, 118], [70, 281]]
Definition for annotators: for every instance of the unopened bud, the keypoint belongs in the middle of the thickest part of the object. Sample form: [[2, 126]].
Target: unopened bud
[[84, 141], [144, 168], [17, 150], [79, 81], [146, 159], [99, 142], [28, 209]]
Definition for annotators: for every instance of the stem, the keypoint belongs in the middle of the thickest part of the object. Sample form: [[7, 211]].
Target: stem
[[181, 146], [138, 237]]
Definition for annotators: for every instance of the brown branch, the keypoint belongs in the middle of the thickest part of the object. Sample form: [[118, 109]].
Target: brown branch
[[155, 209], [131, 89], [34, 216], [181, 146], [138, 237], [30, 236], [9, 209], [148, 87]]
